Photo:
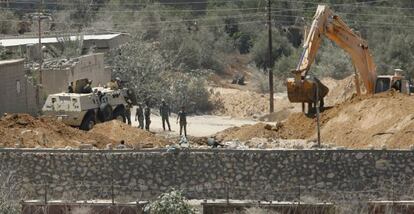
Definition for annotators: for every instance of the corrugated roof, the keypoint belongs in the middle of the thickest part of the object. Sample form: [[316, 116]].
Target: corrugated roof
[[30, 41], [4, 62]]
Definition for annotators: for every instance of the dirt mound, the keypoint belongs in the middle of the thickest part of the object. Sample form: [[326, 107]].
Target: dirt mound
[[372, 121], [248, 132], [297, 126], [134, 137], [385, 119], [22, 130], [340, 90], [246, 104]]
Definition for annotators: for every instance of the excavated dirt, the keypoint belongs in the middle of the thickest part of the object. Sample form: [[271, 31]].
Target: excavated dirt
[[340, 90], [22, 130], [247, 104], [133, 137], [385, 119]]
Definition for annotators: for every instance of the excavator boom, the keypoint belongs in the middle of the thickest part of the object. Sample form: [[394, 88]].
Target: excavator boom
[[327, 24]]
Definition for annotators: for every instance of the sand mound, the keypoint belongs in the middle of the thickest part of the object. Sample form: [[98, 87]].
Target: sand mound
[[383, 119], [22, 130], [360, 122], [248, 132], [246, 104], [134, 137], [340, 90]]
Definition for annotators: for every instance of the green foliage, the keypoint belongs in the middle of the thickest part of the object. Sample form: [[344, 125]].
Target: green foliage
[[280, 47], [333, 61], [155, 73], [8, 22], [3, 53], [7, 206], [170, 203]]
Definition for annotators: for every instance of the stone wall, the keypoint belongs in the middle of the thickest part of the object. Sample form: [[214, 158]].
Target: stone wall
[[236, 174]]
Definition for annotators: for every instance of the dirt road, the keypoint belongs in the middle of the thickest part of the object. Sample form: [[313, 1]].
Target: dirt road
[[198, 126]]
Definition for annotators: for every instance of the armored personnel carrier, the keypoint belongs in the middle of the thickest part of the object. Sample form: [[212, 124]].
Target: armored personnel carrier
[[84, 110]]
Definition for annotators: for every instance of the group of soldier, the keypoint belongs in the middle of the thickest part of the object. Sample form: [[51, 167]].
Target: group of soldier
[[143, 116], [143, 113]]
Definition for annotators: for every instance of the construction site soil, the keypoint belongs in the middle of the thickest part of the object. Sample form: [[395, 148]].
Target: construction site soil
[[22, 130], [368, 121], [376, 121]]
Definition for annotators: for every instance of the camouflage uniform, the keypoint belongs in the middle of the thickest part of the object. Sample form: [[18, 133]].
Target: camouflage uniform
[[87, 88], [147, 114], [165, 113], [139, 116], [182, 116], [128, 113]]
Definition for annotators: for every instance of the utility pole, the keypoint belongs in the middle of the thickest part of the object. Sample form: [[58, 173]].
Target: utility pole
[[270, 66], [40, 16]]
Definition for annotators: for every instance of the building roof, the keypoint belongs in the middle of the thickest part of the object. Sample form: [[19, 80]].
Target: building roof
[[10, 61], [35, 40]]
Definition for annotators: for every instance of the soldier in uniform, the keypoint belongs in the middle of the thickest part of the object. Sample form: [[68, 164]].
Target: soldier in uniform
[[87, 88], [147, 114], [139, 116], [128, 111], [182, 116], [70, 87], [165, 113]]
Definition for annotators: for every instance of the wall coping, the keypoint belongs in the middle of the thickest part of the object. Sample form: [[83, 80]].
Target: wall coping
[[203, 151]]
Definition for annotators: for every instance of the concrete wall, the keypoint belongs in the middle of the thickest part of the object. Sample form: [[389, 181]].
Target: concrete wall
[[17, 93], [91, 66], [260, 175]]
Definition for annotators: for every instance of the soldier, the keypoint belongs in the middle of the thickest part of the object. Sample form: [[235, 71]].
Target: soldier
[[139, 116], [128, 111], [70, 87], [165, 113], [182, 116], [147, 114], [87, 88], [118, 82]]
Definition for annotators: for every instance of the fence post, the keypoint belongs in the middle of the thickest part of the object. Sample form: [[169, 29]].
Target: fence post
[[45, 198], [112, 193], [227, 193]]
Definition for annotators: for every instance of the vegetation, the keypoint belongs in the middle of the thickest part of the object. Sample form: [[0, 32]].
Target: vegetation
[[180, 42], [7, 193], [170, 203]]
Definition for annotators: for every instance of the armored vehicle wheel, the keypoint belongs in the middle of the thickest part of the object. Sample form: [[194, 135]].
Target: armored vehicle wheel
[[88, 122], [119, 114], [105, 112]]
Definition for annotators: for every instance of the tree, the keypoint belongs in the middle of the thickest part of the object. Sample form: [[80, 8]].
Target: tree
[[260, 51], [8, 22]]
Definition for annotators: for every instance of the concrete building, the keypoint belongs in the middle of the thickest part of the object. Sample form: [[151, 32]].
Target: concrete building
[[18, 94], [57, 75]]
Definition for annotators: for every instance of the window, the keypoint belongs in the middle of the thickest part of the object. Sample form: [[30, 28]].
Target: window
[[18, 88]]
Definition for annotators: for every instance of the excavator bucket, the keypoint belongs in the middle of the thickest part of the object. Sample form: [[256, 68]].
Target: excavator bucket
[[305, 90]]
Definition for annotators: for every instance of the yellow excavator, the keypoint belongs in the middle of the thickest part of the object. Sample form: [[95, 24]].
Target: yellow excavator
[[305, 89]]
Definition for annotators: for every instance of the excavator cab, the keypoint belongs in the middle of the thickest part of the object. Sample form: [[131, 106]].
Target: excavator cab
[[388, 82]]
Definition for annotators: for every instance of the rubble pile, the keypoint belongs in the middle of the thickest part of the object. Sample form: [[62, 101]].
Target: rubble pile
[[60, 64]]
